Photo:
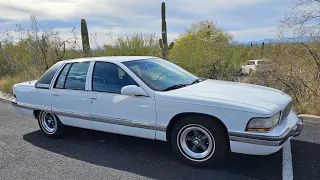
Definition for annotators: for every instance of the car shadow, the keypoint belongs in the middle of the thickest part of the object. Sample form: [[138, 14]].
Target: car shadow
[[153, 159]]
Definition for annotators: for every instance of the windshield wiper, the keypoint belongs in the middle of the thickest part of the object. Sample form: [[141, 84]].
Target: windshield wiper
[[198, 80], [176, 86]]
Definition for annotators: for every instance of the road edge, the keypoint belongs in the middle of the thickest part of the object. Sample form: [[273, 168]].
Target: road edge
[[310, 117], [4, 97]]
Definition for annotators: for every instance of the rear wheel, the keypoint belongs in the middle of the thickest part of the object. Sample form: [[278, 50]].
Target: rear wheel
[[50, 124], [199, 141]]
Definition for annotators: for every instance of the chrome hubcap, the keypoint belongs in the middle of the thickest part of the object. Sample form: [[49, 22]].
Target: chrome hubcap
[[196, 142], [48, 122]]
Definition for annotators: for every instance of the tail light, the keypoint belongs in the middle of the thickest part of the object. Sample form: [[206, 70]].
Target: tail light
[[14, 98]]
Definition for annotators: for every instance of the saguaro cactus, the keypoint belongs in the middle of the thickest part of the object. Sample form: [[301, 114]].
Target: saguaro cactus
[[85, 37], [262, 49], [164, 41]]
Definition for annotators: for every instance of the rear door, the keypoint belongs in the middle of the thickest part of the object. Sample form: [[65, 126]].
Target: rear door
[[69, 98]]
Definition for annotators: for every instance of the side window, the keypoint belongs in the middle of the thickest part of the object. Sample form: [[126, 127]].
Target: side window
[[76, 77], [46, 78], [108, 77], [121, 73], [60, 82]]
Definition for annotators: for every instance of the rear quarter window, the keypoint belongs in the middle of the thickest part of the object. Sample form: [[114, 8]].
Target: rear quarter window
[[45, 80]]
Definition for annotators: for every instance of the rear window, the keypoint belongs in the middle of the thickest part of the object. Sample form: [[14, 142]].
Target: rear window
[[46, 78]]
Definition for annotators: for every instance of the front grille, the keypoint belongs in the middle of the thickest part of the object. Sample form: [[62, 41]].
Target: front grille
[[286, 111]]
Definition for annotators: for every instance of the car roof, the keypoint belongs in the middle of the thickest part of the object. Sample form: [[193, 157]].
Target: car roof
[[111, 58], [257, 60]]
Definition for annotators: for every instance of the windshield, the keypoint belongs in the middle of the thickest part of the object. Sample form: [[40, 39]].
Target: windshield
[[161, 75]]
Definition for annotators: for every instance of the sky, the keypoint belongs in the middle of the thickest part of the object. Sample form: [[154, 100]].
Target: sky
[[246, 20]]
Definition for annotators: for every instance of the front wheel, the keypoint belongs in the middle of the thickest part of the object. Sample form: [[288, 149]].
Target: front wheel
[[199, 141], [50, 124]]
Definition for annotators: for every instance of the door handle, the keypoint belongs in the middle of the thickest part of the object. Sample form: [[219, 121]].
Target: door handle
[[93, 98], [55, 94]]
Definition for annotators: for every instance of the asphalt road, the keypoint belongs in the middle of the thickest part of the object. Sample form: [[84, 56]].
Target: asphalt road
[[25, 153]]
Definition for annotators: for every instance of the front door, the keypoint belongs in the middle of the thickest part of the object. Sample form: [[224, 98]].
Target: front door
[[116, 113], [69, 100]]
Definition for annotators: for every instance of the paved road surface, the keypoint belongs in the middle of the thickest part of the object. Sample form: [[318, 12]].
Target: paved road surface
[[25, 153]]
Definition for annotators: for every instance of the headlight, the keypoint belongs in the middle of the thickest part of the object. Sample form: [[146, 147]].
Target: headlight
[[263, 124]]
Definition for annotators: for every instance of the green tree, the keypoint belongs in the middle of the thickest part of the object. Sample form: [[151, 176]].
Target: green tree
[[206, 50]]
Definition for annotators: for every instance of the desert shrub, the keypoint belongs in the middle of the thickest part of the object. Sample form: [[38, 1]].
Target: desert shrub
[[294, 71], [135, 45], [206, 50], [25, 53]]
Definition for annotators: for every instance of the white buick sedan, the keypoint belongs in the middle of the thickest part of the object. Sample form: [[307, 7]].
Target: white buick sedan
[[151, 98]]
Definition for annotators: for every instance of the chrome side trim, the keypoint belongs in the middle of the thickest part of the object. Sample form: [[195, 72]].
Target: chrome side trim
[[109, 120], [261, 137], [71, 114], [254, 141], [130, 123], [30, 107]]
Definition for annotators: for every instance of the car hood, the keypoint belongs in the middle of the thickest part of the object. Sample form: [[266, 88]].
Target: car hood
[[250, 95]]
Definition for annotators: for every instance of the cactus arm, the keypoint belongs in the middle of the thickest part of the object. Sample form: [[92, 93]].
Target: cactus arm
[[171, 45]]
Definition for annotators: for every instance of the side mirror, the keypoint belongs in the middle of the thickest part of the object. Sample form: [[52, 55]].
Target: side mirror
[[133, 90]]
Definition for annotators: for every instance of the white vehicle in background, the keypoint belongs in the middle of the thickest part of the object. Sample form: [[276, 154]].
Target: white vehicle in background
[[252, 65], [202, 119]]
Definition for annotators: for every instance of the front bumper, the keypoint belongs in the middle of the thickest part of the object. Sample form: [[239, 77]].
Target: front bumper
[[268, 140]]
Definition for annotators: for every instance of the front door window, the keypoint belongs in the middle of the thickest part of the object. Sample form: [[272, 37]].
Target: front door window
[[108, 77]]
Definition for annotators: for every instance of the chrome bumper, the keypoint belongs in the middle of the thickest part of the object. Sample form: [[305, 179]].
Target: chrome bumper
[[268, 140]]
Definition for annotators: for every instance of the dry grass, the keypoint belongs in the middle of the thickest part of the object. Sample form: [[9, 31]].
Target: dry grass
[[7, 82]]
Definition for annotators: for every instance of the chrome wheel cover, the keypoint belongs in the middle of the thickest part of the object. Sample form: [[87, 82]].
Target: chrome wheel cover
[[48, 122], [196, 142]]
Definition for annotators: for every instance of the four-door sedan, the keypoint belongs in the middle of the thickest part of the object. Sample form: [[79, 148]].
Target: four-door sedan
[[148, 97]]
